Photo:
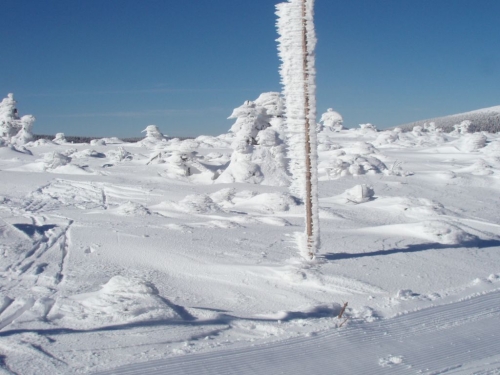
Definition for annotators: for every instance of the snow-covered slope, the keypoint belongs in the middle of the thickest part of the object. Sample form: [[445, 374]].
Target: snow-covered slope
[[486, 119], [112, 255]]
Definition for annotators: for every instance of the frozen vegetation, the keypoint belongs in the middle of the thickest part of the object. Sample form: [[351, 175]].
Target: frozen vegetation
[[182, 252]]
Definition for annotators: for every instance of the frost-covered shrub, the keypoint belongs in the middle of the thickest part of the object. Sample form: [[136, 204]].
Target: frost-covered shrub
[[198, 203], [153, 137], [208, 141], [431, 127], [9, 124], [88, 153], [59, 138], [270, 156], [12, 128], [258, 152], [331, 120], [119, 154], [274, 105], [56, 159], [417, 130], [98, 142], [25, 134], [463, 127], [351, 165], [387, 137], [366, 128], [250, 119], [153, 132]]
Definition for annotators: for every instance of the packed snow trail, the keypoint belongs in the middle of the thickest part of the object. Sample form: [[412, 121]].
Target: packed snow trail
[[444, 339]]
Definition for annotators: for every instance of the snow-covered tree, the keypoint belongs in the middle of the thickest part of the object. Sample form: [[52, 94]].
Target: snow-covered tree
[[258, 152], [13, 129], [463, 127], [250, 119], [59, 138], [9, 118], [274, 104], [153, 136], [24, 135], [296, 46]]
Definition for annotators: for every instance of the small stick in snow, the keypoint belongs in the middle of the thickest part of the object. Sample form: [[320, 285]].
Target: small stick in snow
[[341, 324], [342, 310]]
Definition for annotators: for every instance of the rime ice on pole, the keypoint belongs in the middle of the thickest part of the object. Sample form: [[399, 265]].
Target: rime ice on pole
[[298, 75]]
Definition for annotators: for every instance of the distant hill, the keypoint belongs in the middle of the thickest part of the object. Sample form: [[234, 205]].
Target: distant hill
[[486, 119], [81, 139]]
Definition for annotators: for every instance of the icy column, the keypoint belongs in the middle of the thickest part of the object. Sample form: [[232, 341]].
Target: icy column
[[296, 46]]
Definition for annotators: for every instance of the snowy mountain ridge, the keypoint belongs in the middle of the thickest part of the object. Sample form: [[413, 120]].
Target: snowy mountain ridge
[[484, 119]]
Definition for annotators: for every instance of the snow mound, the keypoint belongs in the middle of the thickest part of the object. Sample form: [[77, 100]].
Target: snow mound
[[480, 168], [266, 203], [88, 153], [360, 193], [198, 203], [55, 160], [40, 142], [98, 142], [441, 232], [132, 209], [472, 142], [493, 148], [223, 196], [119, 154], [350, 165], [120, 300], [59, 138]]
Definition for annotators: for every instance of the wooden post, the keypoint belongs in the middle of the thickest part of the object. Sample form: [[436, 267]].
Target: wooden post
[[308, 195]]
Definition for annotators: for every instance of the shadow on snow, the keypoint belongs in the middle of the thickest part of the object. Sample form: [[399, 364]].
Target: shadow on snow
[[477, 243]]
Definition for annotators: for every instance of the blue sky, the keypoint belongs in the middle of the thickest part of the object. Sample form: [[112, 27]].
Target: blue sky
[[110, 68]]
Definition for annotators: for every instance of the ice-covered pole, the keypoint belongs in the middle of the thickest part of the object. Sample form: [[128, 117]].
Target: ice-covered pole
[[296, 46]]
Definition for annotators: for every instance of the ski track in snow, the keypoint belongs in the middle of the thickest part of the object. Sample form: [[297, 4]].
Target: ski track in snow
[[440, 340]]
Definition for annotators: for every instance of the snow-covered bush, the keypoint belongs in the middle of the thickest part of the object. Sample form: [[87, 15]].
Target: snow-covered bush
[[463, 127], [350, 165], [274, 104], [59, 138], [13, 129], [331, 120], [250, 119], [9, 125], [25, 134], [98, 142], [387, 137], [55, 160], [153, 136], [258, 152], [366, 128]]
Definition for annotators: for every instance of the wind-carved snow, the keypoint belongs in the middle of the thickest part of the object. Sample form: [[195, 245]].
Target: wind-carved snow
[[120, 300]]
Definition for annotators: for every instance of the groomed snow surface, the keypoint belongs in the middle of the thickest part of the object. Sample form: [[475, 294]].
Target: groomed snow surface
[[133, 259]]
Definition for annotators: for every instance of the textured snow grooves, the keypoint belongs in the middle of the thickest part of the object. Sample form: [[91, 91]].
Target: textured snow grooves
[[424, 342]]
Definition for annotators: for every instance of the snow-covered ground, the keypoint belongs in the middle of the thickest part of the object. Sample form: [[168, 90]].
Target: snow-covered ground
[[116, 254]]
